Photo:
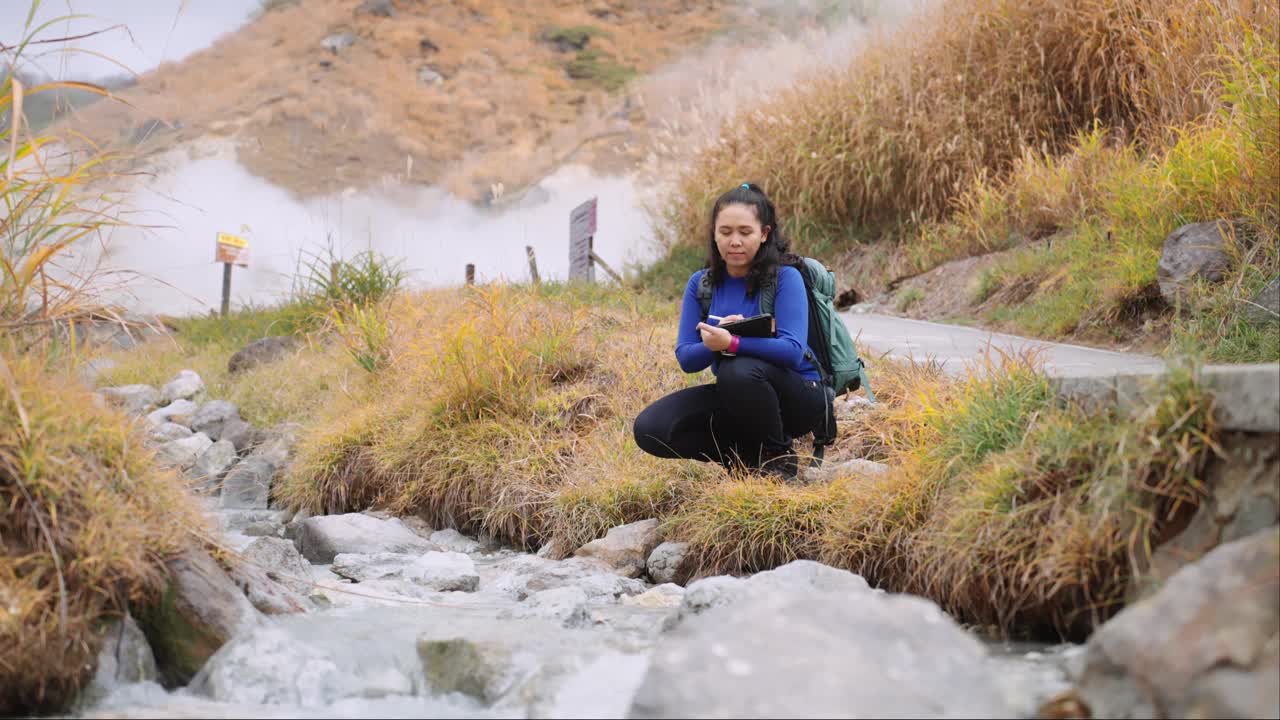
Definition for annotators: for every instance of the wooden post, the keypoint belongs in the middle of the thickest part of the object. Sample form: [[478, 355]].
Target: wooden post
[[605, 266], [533, 264], [226, 289], [471, 273]]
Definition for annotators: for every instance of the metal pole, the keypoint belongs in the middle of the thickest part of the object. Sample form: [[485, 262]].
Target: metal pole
[[226, 289], [533, 264], [471, 273]]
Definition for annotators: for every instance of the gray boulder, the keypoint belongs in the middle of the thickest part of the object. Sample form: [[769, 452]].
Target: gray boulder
[[322, 538], [625, 548], [450, 539], [170, 431], [667, 563], [1193, 252], [211, 417], [248, 485], [239, 433], [524, 575], [133, 399], [363, 567], [1206, 645], [272, 348], [199, 612], [178, 411], [565, 605], [125, 657], [281, 561], [185, 386], [808, 644], [1265, 306], [443, 572], [184, 453], [209, 468]]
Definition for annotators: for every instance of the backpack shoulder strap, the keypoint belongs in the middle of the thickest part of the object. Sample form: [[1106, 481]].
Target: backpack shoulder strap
[[704, 293]]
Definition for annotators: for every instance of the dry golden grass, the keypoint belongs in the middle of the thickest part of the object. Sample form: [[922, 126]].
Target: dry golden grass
[[88, 520], [959, 95], [507, 411]]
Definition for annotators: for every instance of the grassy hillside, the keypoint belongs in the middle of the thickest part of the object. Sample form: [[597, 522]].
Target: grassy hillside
[[992, 124]]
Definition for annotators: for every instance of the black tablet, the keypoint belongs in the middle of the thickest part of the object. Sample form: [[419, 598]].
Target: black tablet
[[756, 326]]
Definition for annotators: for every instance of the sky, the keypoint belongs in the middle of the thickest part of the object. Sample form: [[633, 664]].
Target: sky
[[154, 31]]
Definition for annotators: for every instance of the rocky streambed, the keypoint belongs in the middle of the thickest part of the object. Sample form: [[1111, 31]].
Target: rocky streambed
[[367, 615]]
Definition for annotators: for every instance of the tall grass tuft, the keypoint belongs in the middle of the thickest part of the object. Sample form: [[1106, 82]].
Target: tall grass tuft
[[87, 524], [958, 95]]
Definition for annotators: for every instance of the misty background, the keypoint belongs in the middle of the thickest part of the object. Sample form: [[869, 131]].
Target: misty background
[[190, 194]]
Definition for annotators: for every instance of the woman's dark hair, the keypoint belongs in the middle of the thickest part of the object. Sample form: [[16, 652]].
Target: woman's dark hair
[[775, 251]]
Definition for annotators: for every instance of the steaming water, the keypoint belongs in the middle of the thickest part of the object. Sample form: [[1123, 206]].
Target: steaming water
[[179, 211]]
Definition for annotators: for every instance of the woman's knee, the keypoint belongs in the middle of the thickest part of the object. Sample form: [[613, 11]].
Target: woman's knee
[[651, 431], [739, 371]]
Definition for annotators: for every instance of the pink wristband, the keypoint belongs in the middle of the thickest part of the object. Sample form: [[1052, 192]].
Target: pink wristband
[[733, 343]]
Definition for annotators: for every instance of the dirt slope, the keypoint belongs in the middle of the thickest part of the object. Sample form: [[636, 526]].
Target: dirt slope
[[464, 94]]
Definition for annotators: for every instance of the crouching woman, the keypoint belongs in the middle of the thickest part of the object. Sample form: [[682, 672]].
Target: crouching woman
[[766, 390]]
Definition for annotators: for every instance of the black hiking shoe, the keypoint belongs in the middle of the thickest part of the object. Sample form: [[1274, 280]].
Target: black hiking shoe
[[784, 466]]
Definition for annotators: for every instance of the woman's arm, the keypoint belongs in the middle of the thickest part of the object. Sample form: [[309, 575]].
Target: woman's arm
[[690, 352], [791, 316]]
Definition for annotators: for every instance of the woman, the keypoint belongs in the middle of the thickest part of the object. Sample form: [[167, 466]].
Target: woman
[[766, 390]]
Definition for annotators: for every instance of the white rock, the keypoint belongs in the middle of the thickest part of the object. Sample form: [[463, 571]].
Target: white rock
[[626, 548], [213, 463], [185, 386], [566, 605], [322, 538], [363, 567], [667, 595], [666, 562], [443, 571], [178, 411]]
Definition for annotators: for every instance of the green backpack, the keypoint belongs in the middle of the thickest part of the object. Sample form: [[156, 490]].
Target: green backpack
[[831, 348]]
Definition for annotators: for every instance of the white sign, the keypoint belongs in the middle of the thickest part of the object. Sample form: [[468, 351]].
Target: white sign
[[582, 230]]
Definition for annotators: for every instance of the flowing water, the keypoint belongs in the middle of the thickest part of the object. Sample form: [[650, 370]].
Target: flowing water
[[359, 657]]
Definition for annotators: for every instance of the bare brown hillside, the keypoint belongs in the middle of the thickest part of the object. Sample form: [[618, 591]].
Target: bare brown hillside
[[322, 95]]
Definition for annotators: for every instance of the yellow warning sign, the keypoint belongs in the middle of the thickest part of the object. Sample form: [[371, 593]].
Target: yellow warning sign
[[233, 250]]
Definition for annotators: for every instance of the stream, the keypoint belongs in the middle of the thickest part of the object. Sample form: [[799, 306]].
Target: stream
[[539, 638]]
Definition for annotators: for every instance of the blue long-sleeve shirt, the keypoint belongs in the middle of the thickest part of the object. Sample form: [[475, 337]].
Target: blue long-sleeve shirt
[[790, 312]]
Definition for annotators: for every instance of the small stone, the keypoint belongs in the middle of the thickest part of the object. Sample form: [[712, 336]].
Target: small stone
[[362, 567], [666, 564], [667, 595], [238, 433], [428, 75], [212, 417], [133, 399], [1265, 306], [178, 411], [443, 572], [377, 8], [333, 43], [182, 454], [170, 431], [281, 561], [185, 386], [125, 657], [212, 464], [274, 347], [450, 539], [248, 485], [566, 605], [1197, 251], [626, 548]]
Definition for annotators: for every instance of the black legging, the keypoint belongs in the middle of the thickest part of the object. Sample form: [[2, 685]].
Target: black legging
[[748, 415]]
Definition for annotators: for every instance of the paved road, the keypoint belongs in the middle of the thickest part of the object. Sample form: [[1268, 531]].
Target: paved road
[[955, 345]]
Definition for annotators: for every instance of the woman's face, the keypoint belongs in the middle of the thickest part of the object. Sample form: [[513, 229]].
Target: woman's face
[[738, 237]]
